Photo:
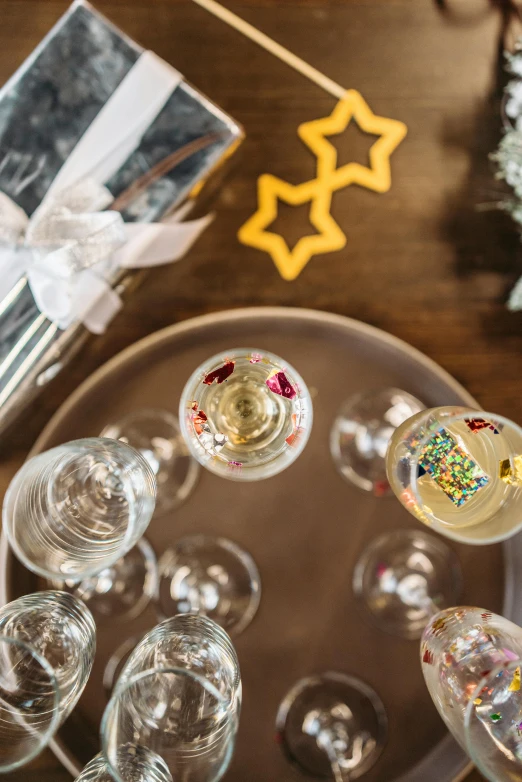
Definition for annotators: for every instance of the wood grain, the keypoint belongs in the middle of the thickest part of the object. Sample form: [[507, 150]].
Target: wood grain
[[421, 262]]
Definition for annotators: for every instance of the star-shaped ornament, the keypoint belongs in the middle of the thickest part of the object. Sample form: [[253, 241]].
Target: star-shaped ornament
[[353, 106], [291, 262]]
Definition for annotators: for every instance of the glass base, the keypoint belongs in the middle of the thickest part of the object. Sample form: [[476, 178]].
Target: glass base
[[156, 435], [403, 578], [332, 725], [209, 576], [122, 591], [361, 432]]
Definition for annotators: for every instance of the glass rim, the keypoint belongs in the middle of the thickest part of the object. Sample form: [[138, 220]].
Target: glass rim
[[211, 625], [124, 685], [470, 708], [135, 414], [88, 572], [56, 717], [250, 472], [425, 440]]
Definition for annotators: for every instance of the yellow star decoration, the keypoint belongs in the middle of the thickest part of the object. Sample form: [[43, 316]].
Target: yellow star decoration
[[291, 262], [353, 105], [319, 191]]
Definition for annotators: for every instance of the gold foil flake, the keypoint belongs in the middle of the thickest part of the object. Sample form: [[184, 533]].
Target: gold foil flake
[[510, 470], [515, 683]]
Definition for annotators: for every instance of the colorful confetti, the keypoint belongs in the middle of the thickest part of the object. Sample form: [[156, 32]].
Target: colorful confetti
[[438, 626], [427, 657], [235, 466], [220, 374], [255, 358], [279, 384], [511, 471], [381, 488], [477, 424], [477, 701], [515, 683], [199, 419], [519, 728], [496, 717], [486, 616], [452, 468]]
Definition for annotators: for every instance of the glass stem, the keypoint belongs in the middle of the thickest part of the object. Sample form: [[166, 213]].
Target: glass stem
[[325, 741]]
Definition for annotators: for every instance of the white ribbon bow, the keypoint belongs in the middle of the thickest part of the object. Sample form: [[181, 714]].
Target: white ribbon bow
[[68, 248]]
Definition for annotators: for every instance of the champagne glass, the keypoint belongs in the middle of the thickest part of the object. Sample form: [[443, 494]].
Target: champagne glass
[[179, 694], [123, 590], [403, 578], [459, 648], [47, 646], [156, 435], [332, 725], [493, 724], [245, 414], [75, 510], [362, 431], [460, 471], [137, 764], [210, 576]]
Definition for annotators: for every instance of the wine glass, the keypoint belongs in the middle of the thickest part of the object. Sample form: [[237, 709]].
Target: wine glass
[[137, 764], [362, 431], [47, 646], [179, 694], [245, 414], [210, 576], [75, 510], [459, 648], [123, 590], [332, 725], [156, 435], [493, 724], [460, 471], [403, 578]]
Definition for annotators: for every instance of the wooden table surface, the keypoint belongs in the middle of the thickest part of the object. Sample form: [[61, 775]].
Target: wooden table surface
[[421, 261]]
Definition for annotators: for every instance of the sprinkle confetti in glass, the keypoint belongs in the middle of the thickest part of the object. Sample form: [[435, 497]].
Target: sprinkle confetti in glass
[[457, 470], [245, 414], [471, 665]]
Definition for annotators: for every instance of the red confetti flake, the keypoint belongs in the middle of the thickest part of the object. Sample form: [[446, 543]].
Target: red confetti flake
[[485, 673], [381, 569], [220, 374], [280, 385], [476, 424], [235, 466], [256, 358], [380, 488], [193, 405], [427, 657], [199, 419], [486, 616]]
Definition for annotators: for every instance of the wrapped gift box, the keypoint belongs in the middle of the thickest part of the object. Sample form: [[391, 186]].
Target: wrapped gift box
[[46, 109]]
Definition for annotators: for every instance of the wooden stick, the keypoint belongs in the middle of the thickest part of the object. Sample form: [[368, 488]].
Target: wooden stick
[[274, 48]]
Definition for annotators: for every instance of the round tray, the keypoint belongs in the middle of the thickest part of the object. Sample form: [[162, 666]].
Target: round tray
[[305, 529]]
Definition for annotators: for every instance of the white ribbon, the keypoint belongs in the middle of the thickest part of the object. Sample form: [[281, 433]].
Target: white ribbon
[[72, 244]]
